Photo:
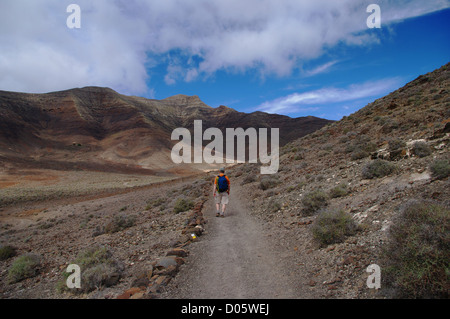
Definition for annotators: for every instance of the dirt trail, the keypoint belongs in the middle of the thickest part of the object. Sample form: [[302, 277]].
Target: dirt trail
[[235, 259]]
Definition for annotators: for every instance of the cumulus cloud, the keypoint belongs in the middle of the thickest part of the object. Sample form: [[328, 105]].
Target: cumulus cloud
[[303, 102], [119, 40]]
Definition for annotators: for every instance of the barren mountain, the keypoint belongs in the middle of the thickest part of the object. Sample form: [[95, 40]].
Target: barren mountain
[[99, 129], [369, 190], [372, 188]]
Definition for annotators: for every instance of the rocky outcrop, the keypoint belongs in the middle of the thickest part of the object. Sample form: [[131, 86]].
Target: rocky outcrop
[[149, 283]]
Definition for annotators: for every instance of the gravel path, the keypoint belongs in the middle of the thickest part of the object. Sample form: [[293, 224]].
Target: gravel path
[[235, 259]]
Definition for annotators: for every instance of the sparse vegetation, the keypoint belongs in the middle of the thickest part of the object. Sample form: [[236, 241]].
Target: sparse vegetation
[[182, 205], [23, 267], [339, 191], [421, 149], [268, 182], [378, 168], [98, 269], [395, 144], [440, 168], [417, 255], [314, 201], [157, 202], [7, 252], [119, 223], [333, 226], [274, 205], [250, 178], [361, 147], [396, 149]]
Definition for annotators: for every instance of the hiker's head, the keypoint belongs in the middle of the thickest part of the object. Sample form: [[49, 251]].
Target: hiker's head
[[222, 170]]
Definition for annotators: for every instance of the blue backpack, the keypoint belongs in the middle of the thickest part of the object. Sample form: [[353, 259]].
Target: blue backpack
[[222, 184]]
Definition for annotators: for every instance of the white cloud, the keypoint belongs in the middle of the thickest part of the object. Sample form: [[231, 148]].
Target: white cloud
[[39, 53], [303, 102], [320, 69]]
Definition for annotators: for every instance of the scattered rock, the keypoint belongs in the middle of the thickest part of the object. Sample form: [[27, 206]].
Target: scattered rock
[[128, 294], [177, 252]]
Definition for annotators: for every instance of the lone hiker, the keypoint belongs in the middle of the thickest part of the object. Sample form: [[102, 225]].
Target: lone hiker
[[221, 192]]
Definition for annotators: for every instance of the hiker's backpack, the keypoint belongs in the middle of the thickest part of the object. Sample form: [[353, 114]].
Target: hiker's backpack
[[222, 184]]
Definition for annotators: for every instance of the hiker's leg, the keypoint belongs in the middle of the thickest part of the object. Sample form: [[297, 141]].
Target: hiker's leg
[[224, 202]]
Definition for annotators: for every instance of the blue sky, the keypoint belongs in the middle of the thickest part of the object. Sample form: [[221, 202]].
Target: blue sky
[[289, 57]]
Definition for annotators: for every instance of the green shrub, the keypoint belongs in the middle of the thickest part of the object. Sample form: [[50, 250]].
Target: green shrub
[[23, 267], [440, 169], [98, 269], [359, 154], [157, 202], [290, 188], [361, 147], [182, 205], [268, 182], [378, 168], [250, 178], [396, 144], [339, 191], [314, 201], [120, 223], [417, 254], [421, 149], [274, 206], [7, 252], [333, 226]]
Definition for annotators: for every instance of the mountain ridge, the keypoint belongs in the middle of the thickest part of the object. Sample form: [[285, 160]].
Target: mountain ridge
[[105, 127]]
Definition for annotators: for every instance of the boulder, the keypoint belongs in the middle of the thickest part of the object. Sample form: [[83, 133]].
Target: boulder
[[177, 252]]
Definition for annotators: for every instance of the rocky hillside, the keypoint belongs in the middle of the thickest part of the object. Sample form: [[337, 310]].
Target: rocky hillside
[[99, 129], [372, 188]]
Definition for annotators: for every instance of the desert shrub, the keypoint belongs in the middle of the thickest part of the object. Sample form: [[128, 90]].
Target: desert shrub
[[290, 188], [417, 253], [339, 191], [361, 147], [299, 156], [101, 275], [182, 205], [440, 169], [7, 252], [98, 269], [396, 148], [268, 182], [395, 144], [23, 267], [378, 168], [249, 179], [389, 126], [119, 223], [359, 154], [421, 149], [157, 202], [274, 206], [333, 226], [314, 201]]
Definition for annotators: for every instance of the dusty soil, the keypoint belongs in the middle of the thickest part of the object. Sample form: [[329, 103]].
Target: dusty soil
[[58, 231], [238, 258]]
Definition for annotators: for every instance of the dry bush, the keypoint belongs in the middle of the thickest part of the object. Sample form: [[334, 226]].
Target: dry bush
[[378, 168], [417, 254], [333, 226], [314, 201]]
